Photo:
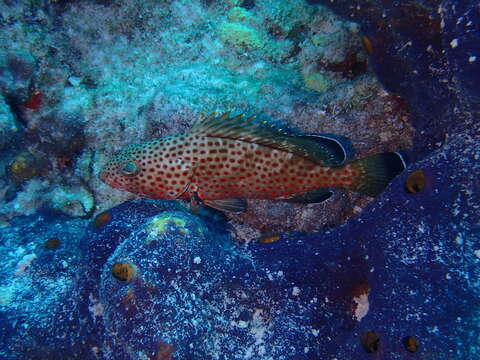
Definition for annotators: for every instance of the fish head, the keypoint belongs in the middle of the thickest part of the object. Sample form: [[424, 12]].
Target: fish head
[[149, 169], [124, 170]]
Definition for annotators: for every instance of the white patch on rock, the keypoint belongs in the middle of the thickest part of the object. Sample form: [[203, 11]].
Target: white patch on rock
[[95, 307], [24, 264], [362, 306], [454, 43], [242, 324]]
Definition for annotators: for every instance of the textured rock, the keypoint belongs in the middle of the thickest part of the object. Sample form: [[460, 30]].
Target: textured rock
[[37, 293], [415, 38], [16, 73], [8, 124], [406, 267], [194, 291]]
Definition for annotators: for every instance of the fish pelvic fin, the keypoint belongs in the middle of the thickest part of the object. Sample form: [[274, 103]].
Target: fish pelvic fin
[[376, 171]]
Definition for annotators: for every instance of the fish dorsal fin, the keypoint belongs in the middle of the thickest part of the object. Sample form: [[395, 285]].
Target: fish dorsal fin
[[328, 149], [319, 149]]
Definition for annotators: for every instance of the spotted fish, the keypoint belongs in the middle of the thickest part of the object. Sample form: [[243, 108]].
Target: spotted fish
[[225, 159]]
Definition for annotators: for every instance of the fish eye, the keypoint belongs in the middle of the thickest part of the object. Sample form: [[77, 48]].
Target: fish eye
[[130, 169]]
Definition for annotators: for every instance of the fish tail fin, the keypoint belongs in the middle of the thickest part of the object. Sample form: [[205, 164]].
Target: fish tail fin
[[376, 171]]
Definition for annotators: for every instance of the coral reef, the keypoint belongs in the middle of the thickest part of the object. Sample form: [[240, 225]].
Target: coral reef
[[150, 280], [91, 81], [357, 289]]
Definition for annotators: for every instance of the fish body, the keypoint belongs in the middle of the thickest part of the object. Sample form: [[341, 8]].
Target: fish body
[[227, 157]]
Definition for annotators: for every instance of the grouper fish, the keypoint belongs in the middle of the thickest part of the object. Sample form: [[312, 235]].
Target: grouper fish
[[226, 159]]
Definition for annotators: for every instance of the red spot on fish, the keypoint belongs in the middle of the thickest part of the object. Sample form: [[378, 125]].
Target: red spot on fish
[[35, 101]]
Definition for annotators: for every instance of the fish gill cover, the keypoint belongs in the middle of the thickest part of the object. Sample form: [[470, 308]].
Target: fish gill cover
[[86, 275]]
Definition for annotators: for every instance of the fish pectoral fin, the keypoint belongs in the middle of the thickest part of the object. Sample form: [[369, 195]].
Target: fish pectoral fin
[[234, 206], [311, 197]]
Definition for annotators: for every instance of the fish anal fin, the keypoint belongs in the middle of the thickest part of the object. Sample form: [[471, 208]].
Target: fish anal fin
[[234, 206], [311, 197]]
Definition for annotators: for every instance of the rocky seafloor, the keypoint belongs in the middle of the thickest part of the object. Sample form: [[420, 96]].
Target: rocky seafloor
[[86, 275]]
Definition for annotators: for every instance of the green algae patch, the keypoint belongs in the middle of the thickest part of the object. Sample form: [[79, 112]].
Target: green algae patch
[[163, 223], [319, 40], [238, 14], [317, 81], [240, 35]]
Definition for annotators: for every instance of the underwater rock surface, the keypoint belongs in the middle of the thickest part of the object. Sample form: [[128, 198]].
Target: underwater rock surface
[[149, 280], [407, 267]]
